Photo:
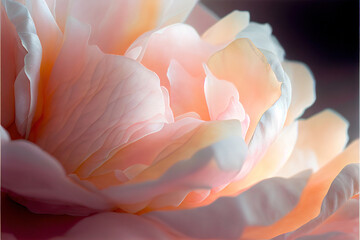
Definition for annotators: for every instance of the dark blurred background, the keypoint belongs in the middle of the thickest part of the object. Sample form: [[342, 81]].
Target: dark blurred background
[[324, 34]]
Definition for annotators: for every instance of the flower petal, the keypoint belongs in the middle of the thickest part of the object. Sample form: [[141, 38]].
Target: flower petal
[[95, 103], [321, 138], [344, 186], [303, 89], [226, 218], [227, 28], [194, 165], [27, 79], [310, 203], [116, 226], [43, 186], [244, 65]]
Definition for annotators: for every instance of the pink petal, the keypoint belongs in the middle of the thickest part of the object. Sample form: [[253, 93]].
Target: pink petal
[[39, 182], [226, 218], [27, 79], [208, 168], [95, 103], [121, 22], [116, 226], [22, 224]]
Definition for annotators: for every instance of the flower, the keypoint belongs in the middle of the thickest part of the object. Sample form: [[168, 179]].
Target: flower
[[134, 125]]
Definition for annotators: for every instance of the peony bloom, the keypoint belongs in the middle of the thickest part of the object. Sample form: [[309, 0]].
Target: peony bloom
[[120, 121]]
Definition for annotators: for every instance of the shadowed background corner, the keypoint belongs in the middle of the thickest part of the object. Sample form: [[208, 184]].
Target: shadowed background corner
[[324, 34]]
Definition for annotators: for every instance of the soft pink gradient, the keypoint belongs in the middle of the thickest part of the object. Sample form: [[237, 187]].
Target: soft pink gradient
[[119, 122]]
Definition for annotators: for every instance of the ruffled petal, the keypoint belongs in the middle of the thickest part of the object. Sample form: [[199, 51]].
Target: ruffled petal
[[116, 226], [309, 205], [209, 159], [321, 138], [263, 204], [344, 186], [27, 79], [227, 28], [36, 180], [303, 89], [244, 65], [95, 103], [122, 22]]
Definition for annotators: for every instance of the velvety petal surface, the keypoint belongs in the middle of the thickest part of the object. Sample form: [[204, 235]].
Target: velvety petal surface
[[311, 200], [226, 218], [44, 186], [95, 103]]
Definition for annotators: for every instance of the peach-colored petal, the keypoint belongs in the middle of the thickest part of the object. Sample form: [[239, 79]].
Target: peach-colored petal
[[116, 226], [344, 186], [303, 89], [226, 218], [187, 92], [151, 146], [201, 18], [122, 22], [27, 80], [187, 168], [321, 138], [310, 203], [345, 220], [95, 103], [43, 186], [244, 65], [227, 28]]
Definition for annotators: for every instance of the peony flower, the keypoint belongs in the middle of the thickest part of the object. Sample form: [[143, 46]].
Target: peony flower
[[119, 121]]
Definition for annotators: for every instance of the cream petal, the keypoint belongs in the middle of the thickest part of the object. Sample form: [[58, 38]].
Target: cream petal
[[5, 137], [261, 36], [343, 187], [321, 138], [27, 81], [201, 18], [95, 103], [208, 168], [38, 181], [263, 204], [175, 11], [244, 65], [116, 226], [303, 89], [226, 29], [309, 205]]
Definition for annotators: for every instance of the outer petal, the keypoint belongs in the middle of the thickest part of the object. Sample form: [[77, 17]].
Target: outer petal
[[122, 21], [310, 203], [344, 186], [244, 65], [116, 226], [227, 28], [189, 167], [38, 181], [95, 103], [27, 80], [321, 138], [226, 218], [303, 89]]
